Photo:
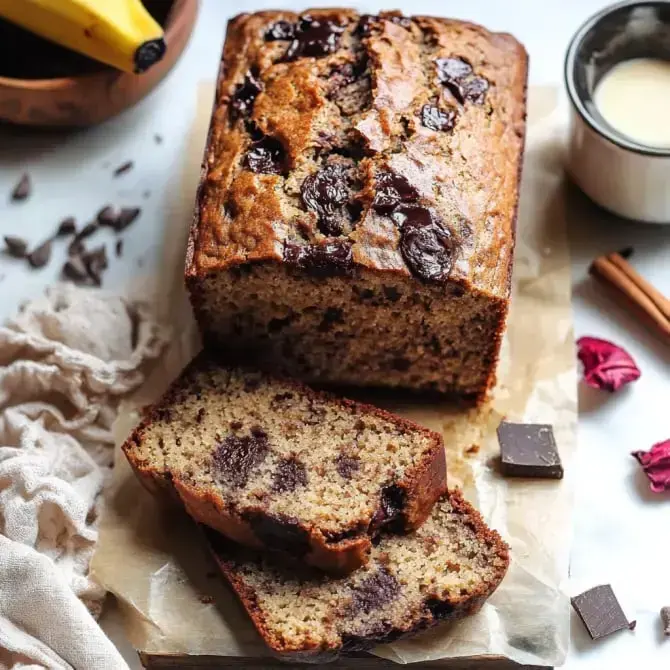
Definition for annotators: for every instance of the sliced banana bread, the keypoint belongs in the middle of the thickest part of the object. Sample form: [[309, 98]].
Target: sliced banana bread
[[273, 464], [444, 570]]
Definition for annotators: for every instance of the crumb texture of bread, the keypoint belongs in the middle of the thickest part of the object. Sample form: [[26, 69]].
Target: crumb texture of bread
[[355, 221], [444, 570], [276, 465]]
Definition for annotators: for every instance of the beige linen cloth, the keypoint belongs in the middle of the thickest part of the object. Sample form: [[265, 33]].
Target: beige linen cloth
[[61, 382]]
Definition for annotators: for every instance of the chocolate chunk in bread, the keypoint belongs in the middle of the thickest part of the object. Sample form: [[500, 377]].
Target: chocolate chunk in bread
[[276, 465], [350, 156], [444, 570]]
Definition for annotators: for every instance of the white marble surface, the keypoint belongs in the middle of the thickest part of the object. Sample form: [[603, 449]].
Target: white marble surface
[[621, 529]]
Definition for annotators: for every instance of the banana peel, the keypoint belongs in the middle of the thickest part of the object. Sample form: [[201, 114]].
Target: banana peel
[[120, 33]]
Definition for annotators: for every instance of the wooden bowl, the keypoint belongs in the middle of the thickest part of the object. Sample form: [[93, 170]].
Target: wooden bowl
[[88, 99]]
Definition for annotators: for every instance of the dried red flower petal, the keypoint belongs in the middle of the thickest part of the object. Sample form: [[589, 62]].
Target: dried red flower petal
[[606, 366], [656, 465]]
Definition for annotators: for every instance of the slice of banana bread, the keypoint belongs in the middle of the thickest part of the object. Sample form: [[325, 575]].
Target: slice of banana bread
[[444, 570], [273, 464]]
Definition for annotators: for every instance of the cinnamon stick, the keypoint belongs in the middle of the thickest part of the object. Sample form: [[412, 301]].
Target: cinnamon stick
[[651, 291], [615, 271]]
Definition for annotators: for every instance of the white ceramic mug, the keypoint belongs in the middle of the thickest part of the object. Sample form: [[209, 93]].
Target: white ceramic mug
[[627, 178]]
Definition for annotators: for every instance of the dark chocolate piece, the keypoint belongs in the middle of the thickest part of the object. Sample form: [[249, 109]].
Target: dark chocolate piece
[[40, 256], [314, 37], [600, 612], [122, 169], [457, 76], [434, 118], [16, 246], [374, 592], [475, 90], [392, 190], [426, 245], [529, 450], [289, 475], [280, 532], [331, 259], [242, 101], [281, 30], [266, 156], [237, 457], [22, 189], [325, 192]]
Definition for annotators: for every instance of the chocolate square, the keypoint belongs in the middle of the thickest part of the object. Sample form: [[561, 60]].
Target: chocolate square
[[600, 612], [529, 450]]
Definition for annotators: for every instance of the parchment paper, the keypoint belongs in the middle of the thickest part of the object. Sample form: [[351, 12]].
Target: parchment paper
[[152, 559]]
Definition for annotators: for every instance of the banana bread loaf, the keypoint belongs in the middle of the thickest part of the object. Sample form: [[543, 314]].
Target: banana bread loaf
[[355, 220], [273, 464], [445, 570]]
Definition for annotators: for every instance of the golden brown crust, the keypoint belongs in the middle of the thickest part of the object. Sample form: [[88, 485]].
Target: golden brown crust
[[422, 485], [432, 613], [480, 182]]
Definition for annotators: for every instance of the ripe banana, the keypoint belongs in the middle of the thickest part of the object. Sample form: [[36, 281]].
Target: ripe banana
[[120, 33]]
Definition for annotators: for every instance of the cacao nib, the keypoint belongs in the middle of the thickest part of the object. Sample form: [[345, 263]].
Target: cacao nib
[[238, 456], [107, 216], [334, 258], [434, 118], [40, 256], [281, 30], [325, 192], [75, 270], [656, 465], [242, 101], [122, 169], [665, 619], [314, 38], [87, 231], [290, 474], [392, 190], [126, 216], [374, 592], [607, 366], [16, 246], [22, 189], [425, 244], [266, 156], [67, 226]]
